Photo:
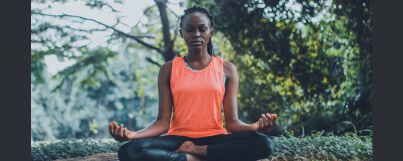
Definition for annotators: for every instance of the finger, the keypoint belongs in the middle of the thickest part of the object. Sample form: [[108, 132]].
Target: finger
[[261, 123], [265, 120], [268, 115], [116, 129], [121, 131], [270, 119], [125, 132], [263, 116], [113, 124], [274, 116]]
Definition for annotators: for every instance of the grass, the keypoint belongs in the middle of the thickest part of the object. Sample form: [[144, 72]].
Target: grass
[[314, 147]]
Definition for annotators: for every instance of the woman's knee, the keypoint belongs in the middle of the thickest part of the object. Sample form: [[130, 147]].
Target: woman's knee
[[266, 144], [131, 151]]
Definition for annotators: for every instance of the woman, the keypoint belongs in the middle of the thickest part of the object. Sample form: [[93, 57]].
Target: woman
[[191, 90]]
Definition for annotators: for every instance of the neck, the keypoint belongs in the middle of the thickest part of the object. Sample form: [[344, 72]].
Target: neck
[[199, 56]]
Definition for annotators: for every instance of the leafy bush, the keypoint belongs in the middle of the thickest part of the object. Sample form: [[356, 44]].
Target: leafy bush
[[314, 147], [320, 147], [75, 112]]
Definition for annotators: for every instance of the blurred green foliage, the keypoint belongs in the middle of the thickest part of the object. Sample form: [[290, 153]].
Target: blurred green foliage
[[308, 61]]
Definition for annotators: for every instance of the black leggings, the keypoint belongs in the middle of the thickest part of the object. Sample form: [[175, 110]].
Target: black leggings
[[244, 146]]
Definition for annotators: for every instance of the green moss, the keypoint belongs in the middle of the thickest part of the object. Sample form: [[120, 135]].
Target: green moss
[[72, 148]]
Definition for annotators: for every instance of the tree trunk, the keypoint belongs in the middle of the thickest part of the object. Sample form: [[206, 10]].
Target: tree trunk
[[168, 43]]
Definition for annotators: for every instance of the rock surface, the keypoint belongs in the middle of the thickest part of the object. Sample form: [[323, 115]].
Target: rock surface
[[96, 157], [114, 157]]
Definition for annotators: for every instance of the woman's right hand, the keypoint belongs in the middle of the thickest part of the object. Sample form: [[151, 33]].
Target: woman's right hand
[[121, 133]]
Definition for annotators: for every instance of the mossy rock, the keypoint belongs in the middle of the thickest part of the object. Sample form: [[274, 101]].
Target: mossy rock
[[95, 157]]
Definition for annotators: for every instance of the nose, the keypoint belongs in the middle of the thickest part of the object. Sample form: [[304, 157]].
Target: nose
[[196, 33]]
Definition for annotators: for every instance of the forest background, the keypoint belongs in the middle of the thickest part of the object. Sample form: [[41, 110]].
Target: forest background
[[309, 61]]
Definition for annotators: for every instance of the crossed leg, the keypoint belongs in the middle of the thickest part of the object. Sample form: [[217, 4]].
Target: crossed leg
[[153, 149], [241, 146]]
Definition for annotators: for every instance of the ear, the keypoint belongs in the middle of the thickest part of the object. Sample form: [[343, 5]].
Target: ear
[[212, 32], [180, 32]]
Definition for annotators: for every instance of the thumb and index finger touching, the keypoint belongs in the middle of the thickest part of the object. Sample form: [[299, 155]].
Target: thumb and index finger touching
[[115, 129], [267, 119], [118, 131]]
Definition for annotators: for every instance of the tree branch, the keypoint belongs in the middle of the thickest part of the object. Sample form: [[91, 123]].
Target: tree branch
[[176, 15], [136, 38], [147, 9], [153, 62], [82, 30]]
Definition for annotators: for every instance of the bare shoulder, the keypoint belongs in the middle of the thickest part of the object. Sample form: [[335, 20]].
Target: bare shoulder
[[230, 68], [165, 70], [166, 66]]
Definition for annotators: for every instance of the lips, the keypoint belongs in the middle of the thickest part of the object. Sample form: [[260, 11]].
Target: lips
[[195, 43]]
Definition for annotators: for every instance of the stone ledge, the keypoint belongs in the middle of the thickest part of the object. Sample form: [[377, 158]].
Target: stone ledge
[[114, 157], [95, 157]]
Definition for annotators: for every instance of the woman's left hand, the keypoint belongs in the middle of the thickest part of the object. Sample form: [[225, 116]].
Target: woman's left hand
[[266, 122]]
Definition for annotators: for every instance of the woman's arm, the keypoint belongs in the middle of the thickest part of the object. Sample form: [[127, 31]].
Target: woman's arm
[[232, 122], [161, 124]]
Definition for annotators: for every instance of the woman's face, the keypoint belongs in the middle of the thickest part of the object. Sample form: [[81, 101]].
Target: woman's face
[[196, 30]]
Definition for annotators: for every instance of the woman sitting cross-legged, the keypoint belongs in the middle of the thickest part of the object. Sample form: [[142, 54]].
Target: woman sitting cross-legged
[[192, 89]]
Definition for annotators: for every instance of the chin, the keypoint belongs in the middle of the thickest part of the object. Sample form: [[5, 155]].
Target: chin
[[196, 49]]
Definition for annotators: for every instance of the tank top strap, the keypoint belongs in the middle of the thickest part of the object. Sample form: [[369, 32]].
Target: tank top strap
[[221, 62], [175, 66]]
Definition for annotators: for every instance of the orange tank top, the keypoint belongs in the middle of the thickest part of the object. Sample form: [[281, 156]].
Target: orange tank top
[[197, 99]]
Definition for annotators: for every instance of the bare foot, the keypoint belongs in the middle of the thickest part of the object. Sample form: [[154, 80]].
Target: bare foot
[[186, 147], [190, 148]]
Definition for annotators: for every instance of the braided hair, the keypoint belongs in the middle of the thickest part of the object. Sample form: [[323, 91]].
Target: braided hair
[[194, 9]]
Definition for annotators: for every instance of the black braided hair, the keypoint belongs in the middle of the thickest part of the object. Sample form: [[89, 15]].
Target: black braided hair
[[194, 9]]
